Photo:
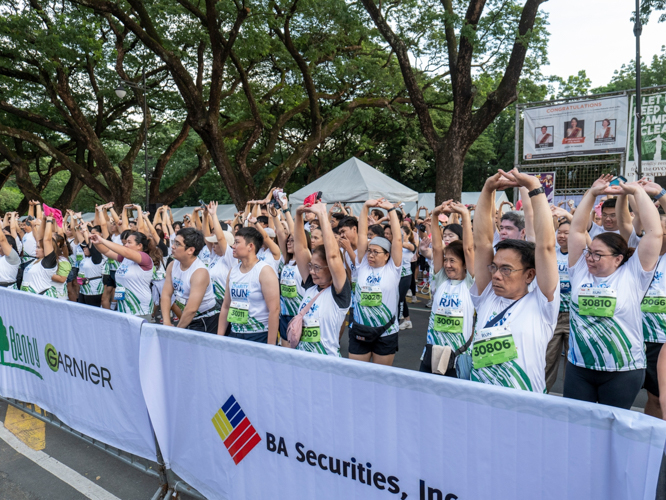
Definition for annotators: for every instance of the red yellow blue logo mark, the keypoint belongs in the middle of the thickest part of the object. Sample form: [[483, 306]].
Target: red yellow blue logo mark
[[235, 429]]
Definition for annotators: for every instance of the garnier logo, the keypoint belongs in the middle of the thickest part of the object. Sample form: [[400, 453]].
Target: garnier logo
[[88, 372], [24, 350]]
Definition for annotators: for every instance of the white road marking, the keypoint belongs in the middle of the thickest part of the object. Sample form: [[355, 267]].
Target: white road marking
[[80, 483]]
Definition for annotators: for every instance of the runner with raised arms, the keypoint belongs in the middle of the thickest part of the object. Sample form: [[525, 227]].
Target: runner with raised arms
[[373, 332], [608, 283], [327, 284], [452, 316], [514, 324]]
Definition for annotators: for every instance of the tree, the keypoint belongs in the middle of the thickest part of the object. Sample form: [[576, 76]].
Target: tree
[[625, 77], [573, 86], [57, 102], [476, 49], [263, 83]]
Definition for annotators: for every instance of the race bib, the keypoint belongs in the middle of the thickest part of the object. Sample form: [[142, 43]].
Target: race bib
[[371, 296], [493, 346], [654, 302], [119, 294], [311, 331], [448, 320], [565, 284], [239, 313], [599, 302], [288, 289]]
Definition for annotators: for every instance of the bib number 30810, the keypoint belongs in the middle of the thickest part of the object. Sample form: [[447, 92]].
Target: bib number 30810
[[598, 302]]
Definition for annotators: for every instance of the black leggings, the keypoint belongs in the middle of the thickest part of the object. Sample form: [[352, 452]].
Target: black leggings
[[609, 388], [90, 300], [412, 285], [403, 287]]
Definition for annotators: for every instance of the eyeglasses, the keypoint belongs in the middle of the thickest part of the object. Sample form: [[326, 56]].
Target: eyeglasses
[[608, 216], [177, 244], [315, 267], [375, 253], [594, 256], [504, 270]]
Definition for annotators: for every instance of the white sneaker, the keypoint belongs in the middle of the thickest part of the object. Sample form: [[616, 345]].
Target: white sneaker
[[405, 324], [409, 293], [414, 300], [429, 303]]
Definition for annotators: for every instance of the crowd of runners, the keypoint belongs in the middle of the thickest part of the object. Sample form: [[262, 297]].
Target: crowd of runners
[[510, 291]]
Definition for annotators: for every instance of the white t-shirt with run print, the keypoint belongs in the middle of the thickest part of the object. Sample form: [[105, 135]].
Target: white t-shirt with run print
[[328, 313], [612, 343], [218, 268], [532, 322], [385, 280], [451, 303], [133, 292], [653, 306], [291, 289]]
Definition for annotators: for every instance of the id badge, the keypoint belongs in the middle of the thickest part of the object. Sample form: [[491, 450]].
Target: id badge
[[493, 346], [239, 313], [119, 294], [598, 302], [371, 296], [311, 330], [448, 320], [288, 289], [654, 302]]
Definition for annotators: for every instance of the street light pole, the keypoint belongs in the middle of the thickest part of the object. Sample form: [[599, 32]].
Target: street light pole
[[121, 92], [638, 146]]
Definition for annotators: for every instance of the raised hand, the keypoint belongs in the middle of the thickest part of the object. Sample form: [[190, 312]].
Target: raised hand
[[601, 184], [651, 188], [499, 182], [522, 180]]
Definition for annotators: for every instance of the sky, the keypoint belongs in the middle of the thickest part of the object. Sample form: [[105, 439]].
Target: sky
[[597, 36]]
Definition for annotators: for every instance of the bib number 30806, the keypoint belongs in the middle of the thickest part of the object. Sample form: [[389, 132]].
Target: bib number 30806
[[599, 302], [493, 346]]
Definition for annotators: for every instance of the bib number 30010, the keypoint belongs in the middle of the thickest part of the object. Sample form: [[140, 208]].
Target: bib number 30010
[[493, 346], [598, 302]]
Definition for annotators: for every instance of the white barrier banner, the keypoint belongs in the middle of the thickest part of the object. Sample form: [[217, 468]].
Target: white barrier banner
[[242, 420], [78, 362], [579, 128]]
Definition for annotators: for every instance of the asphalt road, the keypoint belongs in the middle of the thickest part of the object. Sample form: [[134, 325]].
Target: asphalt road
[[23, 479]]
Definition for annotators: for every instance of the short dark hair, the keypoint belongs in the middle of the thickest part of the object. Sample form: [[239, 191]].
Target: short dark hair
[[263, 219], [349, 222], [456, 248], [517, 219], [125, 234], [524, 248], [338, 216], [192, 238], [454, 228], [377, 213], [251, 235], [609, 203], [178, 223]]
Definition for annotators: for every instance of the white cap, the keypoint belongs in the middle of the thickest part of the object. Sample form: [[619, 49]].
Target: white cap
[[270, 232], [227, 236]]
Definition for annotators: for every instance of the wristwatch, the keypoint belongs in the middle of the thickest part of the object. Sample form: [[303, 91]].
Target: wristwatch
[[536, 191], [391, 210], [663, 192]]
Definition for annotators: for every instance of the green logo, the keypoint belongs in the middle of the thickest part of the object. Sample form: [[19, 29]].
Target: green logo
[[24, 350], [51, 355]]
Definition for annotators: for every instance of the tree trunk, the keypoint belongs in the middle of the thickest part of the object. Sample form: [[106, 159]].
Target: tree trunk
[[449, 163], [66, 198]]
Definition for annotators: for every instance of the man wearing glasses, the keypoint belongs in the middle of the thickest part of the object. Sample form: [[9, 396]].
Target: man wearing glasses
[[188, 282], [514, 323], [608, 220], [252, 301]]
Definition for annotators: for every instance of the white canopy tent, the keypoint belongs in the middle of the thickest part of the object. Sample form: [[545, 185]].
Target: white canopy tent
[[353, 183]]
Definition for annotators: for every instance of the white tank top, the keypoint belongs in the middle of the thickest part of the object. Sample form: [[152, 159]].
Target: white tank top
[[181, 288], [133, 288], [328, 316], [246, 291], [93, 272], [36, 279]]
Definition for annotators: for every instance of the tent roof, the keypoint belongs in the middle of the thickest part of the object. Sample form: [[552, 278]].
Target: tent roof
[[355, 181]]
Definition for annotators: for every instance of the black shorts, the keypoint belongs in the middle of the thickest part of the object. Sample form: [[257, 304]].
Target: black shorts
[[383, 346], [109, 279], [651, 384], [205, 325], [73, 274]]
